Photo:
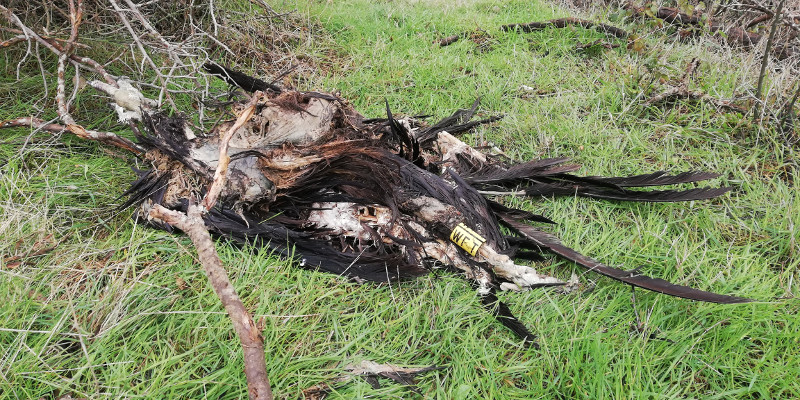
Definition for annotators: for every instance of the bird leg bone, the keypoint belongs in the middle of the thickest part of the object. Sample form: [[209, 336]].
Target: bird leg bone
[[523, 277], [349, 219], [129, 102], [450, 147], [445, 217]]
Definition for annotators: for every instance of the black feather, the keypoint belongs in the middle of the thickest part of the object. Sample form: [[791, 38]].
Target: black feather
[[551, 243], [659, 178], [150, 184], [656, 196], [239, 79], [503, 315]]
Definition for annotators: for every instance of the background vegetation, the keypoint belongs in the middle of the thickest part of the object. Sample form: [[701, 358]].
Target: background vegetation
[[99, 306]]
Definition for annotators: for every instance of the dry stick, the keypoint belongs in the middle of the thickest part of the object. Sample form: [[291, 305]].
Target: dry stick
[[221, 173], [20, 33], [784, 19], [136, 13], [690, 69], [765, 61], [733, 35], [682, 92], [267, 7], [191, 223], [255, 367], [34, 123], [63, 54], [75, 17], [564, 22], [13, 41], [170, 47], [75, 14], [757, 20], [12, 18], [39, 124], [555, 23], [788, 111]]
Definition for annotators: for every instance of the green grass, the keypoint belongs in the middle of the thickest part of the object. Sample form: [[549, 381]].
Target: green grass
[[118, 310]]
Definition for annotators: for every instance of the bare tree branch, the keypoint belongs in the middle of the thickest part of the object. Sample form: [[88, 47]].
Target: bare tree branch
[[142, 49]]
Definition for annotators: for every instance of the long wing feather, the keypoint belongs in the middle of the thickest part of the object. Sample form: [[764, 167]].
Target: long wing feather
[[549, 242], [516, 172], [656, 196], [659, 178]]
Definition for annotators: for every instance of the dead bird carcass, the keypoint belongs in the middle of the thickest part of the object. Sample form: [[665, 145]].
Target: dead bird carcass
[[380, 199]]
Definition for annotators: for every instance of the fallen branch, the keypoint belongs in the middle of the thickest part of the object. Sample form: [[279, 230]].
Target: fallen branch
[[565, 22], [733, 35], [681, 91], [478, 36], [554, 23], [64, 53], [255, 367], [759, 19], [684, 93], [130, 103], [786, 19]]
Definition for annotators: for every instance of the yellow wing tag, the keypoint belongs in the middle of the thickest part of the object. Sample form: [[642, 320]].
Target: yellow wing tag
[[467, 239]]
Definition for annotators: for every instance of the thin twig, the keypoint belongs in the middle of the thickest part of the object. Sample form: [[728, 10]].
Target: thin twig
[[53, 45], [11, 17], [788, 111], [681, 91], [145, 55]]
